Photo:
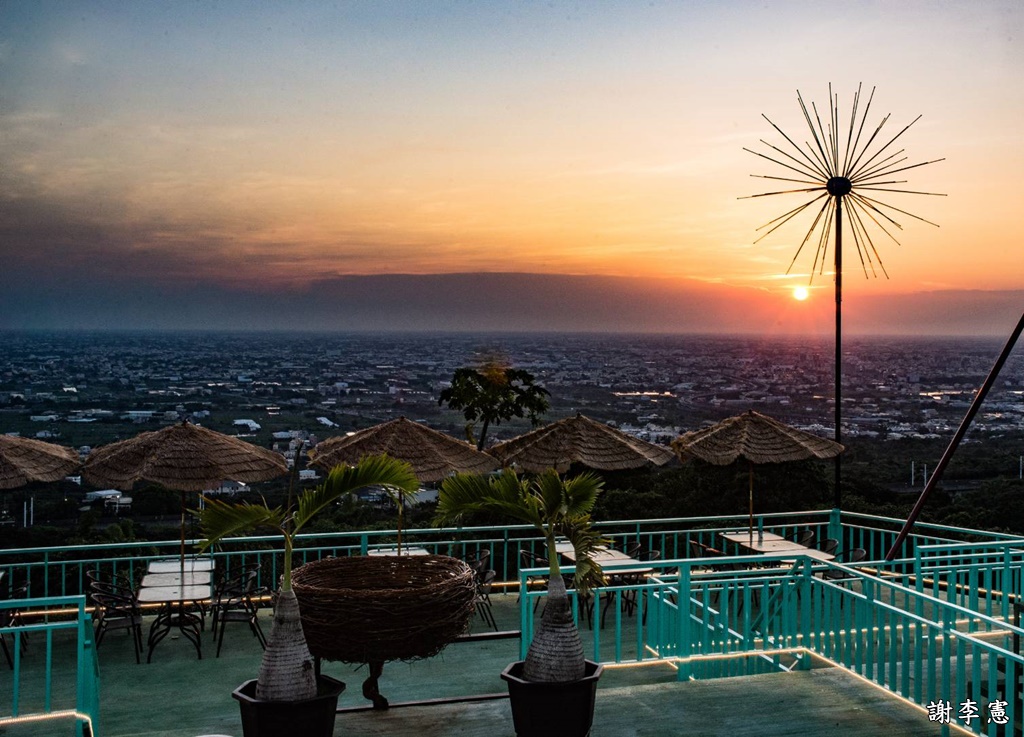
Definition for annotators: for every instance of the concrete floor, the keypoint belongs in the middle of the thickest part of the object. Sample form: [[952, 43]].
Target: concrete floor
[[180, 696]]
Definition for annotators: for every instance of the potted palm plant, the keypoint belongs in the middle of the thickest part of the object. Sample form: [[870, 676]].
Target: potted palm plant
[[288, 698], [553, 690]]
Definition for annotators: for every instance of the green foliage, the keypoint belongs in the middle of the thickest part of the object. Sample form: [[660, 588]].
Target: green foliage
[[554, 506], [492, 394], [220, 519]]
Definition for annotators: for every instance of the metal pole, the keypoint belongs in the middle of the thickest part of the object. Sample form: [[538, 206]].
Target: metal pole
[[955, 442], [837, 492]]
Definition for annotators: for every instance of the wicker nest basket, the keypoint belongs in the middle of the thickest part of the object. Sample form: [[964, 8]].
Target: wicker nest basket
[[364, 609]]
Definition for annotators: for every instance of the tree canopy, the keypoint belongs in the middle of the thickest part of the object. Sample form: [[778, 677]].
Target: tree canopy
[[492, 394]]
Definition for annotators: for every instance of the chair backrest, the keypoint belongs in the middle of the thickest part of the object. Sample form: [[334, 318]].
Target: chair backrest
[[847, 557], [635, 549], [529, 559], [486, 581], [114, 605], [855, 555], [649, 555], [478, 562], [238, 581], [804, 537], [696, 549]]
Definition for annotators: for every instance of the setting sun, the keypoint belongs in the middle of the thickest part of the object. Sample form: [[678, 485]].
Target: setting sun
[[800, 293]]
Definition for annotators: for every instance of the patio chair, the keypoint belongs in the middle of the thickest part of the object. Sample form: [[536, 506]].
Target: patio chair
[[483, 598], [847, 557], [830, 545], [12, 618], [118, 584], [233, 602], [117, 612], [478, 562], [803, 537]]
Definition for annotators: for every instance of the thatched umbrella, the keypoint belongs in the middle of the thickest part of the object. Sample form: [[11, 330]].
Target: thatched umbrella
[[757, 438], [184, 457], [433, 455], [23, 460], [582, 440]]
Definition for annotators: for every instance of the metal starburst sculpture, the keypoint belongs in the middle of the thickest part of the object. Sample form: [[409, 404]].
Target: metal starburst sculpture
[[839, 167]]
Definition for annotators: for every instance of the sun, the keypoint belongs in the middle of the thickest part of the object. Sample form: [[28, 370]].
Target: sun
[[801, 293]]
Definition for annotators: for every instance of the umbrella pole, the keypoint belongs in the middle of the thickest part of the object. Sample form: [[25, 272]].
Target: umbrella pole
[[182, 557], [750, 467]]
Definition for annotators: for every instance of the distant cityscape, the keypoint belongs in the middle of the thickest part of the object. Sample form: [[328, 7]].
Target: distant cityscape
[[87, 389]]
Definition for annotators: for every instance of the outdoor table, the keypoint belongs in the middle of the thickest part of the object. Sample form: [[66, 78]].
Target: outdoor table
[[605, 557], [771, 543], [394, 551], [173, 565], [196, 578], [174, 598]]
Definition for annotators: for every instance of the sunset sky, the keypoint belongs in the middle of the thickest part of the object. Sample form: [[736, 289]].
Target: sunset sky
[[245, 164]]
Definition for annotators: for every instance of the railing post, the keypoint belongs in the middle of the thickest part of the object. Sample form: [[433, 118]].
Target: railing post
[[526, 628], [804, 601], [684, 647], [835, 527]]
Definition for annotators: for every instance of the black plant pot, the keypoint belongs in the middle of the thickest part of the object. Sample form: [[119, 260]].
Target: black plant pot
[[552, 709], [308, 717]]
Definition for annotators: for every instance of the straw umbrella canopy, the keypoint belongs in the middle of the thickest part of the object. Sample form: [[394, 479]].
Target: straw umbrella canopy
[[756, 438], [24, 460], [433, 455], [183, 457], [582, 440]]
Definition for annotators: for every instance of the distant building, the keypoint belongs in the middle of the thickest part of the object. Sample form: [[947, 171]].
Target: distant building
[[229, 488], [252, 425]]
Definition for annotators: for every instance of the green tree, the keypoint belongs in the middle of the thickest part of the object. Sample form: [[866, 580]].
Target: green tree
[[494, 393]]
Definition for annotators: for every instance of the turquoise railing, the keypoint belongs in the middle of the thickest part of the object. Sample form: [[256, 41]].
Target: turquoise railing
[[60, 681], [60, 571], [770, 615]]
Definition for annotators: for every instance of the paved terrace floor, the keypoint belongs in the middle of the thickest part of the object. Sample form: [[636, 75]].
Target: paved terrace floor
[[180, 696]]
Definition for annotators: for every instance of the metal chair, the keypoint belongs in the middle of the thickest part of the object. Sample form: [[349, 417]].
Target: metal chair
[[11, 617], [478, 562], [117, 612], [829, 546], [483, 598], [804, 537], [119, 584], [233, 602], [847, 557]]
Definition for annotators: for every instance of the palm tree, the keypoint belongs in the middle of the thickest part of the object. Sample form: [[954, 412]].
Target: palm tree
[[556, 507], [286, 672]]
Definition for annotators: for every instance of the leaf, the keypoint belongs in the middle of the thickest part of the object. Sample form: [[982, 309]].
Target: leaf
[[395, 476], [220, 519]]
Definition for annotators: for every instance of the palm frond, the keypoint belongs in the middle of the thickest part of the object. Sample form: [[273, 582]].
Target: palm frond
[[394, 475], [461, 495], [581, 494], [503, 494], [584, 540], [551, 490], [220, 519]]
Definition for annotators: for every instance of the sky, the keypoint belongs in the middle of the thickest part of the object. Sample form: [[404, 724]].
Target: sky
[[495, 165]]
